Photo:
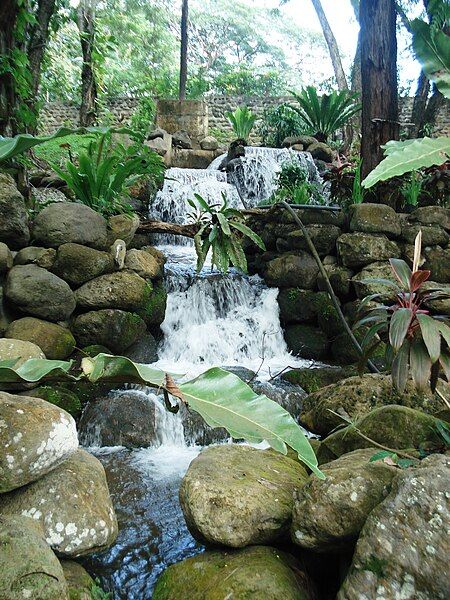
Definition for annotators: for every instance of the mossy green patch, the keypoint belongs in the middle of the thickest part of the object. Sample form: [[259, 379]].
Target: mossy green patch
[[59, 396]]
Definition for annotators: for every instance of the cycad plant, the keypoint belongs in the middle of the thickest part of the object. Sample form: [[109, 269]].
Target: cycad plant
[[242, 121], [323, 115], [221, 229]]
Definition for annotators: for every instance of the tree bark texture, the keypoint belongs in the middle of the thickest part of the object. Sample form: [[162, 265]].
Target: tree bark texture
[[89, 92], [8, 14], [184, 49], [333, 47], [379, 79], [420, 104], [38, 40]]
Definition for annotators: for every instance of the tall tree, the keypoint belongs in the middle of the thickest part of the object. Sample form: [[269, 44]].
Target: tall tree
[[8, 16], [38, 39], [184, 48], [89, 91], [332, 46], [379, 79]]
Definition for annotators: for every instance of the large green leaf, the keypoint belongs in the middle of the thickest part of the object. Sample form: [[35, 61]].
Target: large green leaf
[[224, 400], [33, 370], [106, 367], [410, 156], [10, 147], [432, 48], [398, 327], [431, 335], [420, 365], [400, 367]]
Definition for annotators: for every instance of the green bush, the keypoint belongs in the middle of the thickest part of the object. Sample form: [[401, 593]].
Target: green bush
[[278, 123]]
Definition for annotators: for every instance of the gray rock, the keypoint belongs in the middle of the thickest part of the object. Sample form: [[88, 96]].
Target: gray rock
[[160, 145], [356, 250], [78, 264], [28, 568], [72, 505], [323, 237], [35, 291], [209, 143], [115, 329], [56, 342], [124, 290], [438, 262], [181, 139], [329, 513], [79, 582], [432, 235], [156, 133], [123, 418], [432, 215], [33, 255], [14, 229], [66, 222], [340, 279], [375, 218], [35, 438], [144, 350], [306, 341], [237, 495], [402, 551], [364, 287], [321, 151], [144, 264], [292, 270], [122, 227], [297, 305], [6, 258]]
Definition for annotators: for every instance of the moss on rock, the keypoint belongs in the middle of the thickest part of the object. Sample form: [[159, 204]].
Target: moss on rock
[[59, 396]]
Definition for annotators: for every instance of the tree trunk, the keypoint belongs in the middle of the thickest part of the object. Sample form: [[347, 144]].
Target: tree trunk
[[430, 114], [184, 49], [38, 40], [86, 27], [8, 15], [332, 46], [420, 104], [379, 80]]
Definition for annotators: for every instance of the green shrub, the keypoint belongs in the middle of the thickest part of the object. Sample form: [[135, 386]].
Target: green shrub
[[242, 121], [278, 123]]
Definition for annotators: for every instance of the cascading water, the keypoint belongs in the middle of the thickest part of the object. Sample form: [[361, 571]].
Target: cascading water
[[211, 319]]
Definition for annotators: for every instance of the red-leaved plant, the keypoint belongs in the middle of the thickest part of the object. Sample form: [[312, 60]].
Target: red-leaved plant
[[418, 343]]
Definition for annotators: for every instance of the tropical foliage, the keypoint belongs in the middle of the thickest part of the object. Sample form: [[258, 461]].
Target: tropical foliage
[[323, 115], [278, 123], [221, 230], [418, 343], [242, 120], [220, 397], [293, 186]]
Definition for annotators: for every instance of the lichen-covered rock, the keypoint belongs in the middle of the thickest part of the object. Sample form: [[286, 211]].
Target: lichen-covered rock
[[115, 329], [438, 262], [402, 551], [375, 218], [66, 222], [327, 315], [306, 341], [209, 143], [21, 350], [364, 287], [154, 310], [72, 505], [123, 290], [251, 573], [144, 264], [340, 279], [297, 305], [397, 427], [79, 583], [35, 291], [33, 255], [14, 229], [28, 567], [122, 227], [357, 396], [59, 396], [323, 237], [77, 264], [56, 342], [237, 495], [313, 378], [157, 254], [126, 418], [292, 270], [35, 437], [321, 151], [432, 235], [356, 250], [328, 514], [432, 215]]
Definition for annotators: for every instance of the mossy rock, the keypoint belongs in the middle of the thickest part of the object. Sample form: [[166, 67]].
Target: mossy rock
[[297, 305], [357, 396], [306, 341], [154, 306], [79, 582], [124, 290], [59, 396], [56, 342], [327, 315], [397, 427], [312, 379], [113, 328], [256, 572]]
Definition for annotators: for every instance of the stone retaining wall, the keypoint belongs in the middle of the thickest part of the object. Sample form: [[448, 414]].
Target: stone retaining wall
[[120, 110], [354, 248]]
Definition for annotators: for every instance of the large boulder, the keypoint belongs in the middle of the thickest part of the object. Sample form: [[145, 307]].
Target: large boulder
[[432, 235], [124, 290], [329, 513], [321, 151], [144, 264], [402, 551], [72, 505], [181, 139], [122, 227], [28, 567], [6, 258], [253, 573], [77, 264], [292, 270], [397, 427], [297, 305], [59, 396], [66, 222], [375, 218], [365, 285], [14, 229], [144, 350], [125, 418], [115, 329], [79, 583], [306, 341], [20, 351], [209, 143], [323, 237], [314, 377], [35, 438], [236, 495], [56, 342], [35, 291], [432, 215], [357, 396], [438, 262], [356, 250]]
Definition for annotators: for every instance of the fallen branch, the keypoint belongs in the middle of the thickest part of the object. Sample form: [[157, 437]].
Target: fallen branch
[[149, 226]]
